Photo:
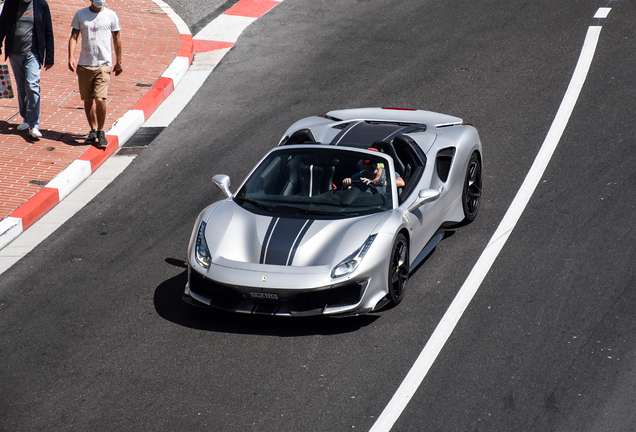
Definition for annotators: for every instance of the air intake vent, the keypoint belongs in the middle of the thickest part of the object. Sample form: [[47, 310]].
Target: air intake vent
[[444, 162]]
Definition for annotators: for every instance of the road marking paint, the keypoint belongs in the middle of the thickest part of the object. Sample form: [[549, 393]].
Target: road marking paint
[[251, 8], [602, 12], [225, 28], [449, 321]]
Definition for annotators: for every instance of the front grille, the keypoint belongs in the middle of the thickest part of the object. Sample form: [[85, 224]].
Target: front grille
[[231, 298]]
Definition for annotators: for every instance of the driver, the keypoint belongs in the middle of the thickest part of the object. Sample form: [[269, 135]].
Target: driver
[[374, 175]]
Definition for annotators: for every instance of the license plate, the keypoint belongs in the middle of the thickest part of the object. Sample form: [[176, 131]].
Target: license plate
[[261, 295]]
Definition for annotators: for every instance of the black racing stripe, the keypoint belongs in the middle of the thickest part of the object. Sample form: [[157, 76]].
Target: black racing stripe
[[342, 133], [396, 133], [298, 240], [364, 133], [282, 240], [267, 238]]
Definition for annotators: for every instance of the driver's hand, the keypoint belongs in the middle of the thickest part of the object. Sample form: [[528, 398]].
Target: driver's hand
[[346, 183], [366, 181]]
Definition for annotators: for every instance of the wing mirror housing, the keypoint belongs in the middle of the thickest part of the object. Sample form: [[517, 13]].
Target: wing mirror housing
[[223, 182], [426, 196]]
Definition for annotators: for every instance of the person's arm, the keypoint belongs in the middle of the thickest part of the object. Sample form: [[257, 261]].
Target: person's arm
[[118, 53], [72, 43], [3, 27]]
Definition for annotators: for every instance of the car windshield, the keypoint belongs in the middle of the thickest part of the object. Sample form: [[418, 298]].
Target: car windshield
[[326, 181]]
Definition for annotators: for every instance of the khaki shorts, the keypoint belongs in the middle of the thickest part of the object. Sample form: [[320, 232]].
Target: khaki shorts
[[93, 81]]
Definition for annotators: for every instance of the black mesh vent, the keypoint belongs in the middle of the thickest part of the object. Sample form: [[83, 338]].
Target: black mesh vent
[[221, 296], [444, 161], [345, 296]]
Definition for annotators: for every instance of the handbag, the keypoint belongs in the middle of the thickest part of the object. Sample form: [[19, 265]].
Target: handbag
[[6, 89]]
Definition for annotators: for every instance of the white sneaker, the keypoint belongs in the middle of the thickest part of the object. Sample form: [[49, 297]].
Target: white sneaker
[[24, 126], [35, 133]]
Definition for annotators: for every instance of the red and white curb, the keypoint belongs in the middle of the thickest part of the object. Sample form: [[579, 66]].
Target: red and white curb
[[213, 42]]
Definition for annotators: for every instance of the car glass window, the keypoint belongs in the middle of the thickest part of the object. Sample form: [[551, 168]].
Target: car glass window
[[323, 182]]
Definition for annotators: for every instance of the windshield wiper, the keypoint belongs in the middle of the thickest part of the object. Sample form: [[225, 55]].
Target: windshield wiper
[[288, 207], [254, 203], [308, 211]]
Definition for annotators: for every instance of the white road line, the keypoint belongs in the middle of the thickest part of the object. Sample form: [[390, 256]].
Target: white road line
[[225, 28], [466, 293], [602, 12]]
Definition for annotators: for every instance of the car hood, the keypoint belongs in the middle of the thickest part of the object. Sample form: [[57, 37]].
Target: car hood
[[235, 235]]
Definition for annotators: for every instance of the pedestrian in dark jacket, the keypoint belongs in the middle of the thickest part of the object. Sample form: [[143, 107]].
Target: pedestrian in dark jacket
[[27, 31]]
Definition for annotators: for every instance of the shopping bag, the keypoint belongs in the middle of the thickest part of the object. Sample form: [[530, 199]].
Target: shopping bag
[[6, 89]]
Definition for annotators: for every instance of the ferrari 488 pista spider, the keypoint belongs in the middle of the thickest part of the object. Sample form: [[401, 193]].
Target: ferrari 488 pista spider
[[333, 220]]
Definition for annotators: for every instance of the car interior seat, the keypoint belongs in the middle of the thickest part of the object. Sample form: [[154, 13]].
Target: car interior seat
[[316, 177], [387, 148], [413, 165], [400, 168], [293, 182]]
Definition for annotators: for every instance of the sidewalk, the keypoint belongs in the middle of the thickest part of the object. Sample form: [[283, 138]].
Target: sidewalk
[[158, 50], [150, 44]]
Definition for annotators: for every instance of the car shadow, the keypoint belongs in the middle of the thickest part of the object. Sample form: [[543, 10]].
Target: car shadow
[[171, 307]]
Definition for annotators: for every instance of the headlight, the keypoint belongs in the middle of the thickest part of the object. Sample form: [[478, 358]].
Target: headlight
[[350, 263], [201, 251]]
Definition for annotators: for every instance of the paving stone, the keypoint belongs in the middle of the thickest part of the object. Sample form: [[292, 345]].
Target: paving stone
[[150, 43]]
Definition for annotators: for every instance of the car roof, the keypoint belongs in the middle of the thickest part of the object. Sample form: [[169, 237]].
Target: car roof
[[430, 118]]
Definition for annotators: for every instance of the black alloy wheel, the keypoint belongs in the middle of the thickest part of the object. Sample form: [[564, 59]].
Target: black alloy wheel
[[471, 194], [398, 269]]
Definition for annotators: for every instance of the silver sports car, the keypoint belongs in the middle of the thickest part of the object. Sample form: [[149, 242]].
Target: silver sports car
[[333, 219]]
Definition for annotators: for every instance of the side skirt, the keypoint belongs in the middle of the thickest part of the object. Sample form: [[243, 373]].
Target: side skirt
[[437, 237]]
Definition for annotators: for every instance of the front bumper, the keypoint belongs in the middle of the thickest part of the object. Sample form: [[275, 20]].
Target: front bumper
[[339, 299]]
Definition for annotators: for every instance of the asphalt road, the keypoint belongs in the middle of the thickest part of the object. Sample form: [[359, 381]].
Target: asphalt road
[[93, 332], [198, 13]]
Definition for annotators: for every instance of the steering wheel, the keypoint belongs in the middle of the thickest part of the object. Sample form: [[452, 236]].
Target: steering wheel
[[363, 186]]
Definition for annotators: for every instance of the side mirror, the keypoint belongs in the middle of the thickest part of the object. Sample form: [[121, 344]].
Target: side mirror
[[223, 183], [426, 196]]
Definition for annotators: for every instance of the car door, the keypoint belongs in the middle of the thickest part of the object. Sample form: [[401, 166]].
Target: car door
[[426, 220]]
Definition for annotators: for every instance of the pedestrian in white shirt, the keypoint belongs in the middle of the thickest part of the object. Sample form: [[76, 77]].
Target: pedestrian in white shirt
[[97, 25]]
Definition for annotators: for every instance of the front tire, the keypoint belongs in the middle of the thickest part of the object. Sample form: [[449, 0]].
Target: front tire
[[471, 193], [398, 269]]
